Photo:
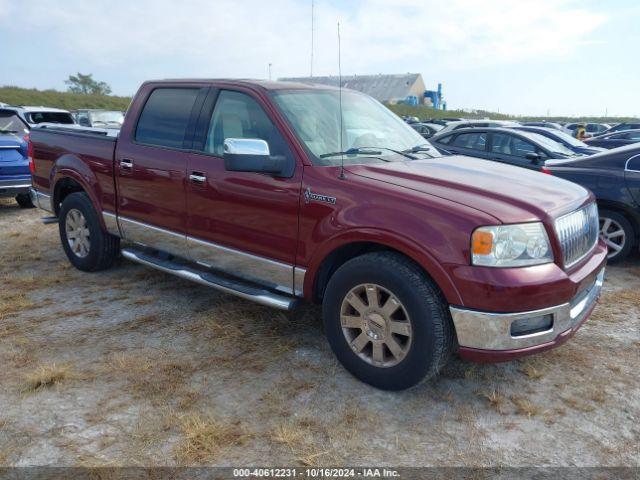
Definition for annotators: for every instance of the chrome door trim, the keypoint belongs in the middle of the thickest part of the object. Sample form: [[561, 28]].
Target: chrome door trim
[[270, 273], [155, 237], [274, 274], [299, 274], [111, 222], [41, 200], [626, 164]]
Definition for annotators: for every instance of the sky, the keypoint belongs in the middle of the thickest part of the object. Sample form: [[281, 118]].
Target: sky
[[557, 57]]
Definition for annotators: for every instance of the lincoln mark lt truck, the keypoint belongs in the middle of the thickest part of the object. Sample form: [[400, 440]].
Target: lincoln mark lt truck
[[278, 192]]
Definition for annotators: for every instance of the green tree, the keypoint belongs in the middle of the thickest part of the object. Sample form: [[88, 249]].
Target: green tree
[[86, 85]]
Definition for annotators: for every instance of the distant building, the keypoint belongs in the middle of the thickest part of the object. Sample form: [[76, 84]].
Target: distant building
[[397, 88]]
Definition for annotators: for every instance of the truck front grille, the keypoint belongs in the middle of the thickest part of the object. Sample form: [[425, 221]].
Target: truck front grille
[[578, 233]]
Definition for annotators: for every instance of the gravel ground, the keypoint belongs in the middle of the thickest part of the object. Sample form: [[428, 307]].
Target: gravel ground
[[135, 367]]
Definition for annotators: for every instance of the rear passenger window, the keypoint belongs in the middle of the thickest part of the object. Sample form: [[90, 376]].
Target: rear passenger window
[[165, 116], [474, 141]]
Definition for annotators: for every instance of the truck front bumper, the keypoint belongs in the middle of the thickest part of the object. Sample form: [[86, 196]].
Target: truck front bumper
[[14, 186], [496, 337]]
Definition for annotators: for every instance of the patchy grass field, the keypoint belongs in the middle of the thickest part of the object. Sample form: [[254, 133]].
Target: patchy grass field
[[135, 367]]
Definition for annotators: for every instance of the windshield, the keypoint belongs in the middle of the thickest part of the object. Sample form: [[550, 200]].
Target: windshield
[[50, 117], [366, 125], [107, 117], [569, 139], [11, 123], [552, 145]]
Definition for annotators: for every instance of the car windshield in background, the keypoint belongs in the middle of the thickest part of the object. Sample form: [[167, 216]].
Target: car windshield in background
[[366, 125], [50, 117], [11, 123], [107, 117], [552, 145], [569, 139]]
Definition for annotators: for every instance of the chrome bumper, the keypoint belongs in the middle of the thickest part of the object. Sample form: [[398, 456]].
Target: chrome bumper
[[492, 331], [14, 187], [41, 200]]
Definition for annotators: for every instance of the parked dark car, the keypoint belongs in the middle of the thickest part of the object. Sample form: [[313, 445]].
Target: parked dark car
[[565, 139], [622, 127], [615, 139], [592, 129], [553, 125], [427, 130], [15, 178], [614, 177], [506, 145], [457, 125]]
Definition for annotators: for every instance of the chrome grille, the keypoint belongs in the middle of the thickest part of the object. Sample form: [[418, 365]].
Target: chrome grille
[[578, 233]]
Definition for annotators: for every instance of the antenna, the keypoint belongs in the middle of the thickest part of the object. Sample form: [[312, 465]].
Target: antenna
[[342, 176], [311, 75]]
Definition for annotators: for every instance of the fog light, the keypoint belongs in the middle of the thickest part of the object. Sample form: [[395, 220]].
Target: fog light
[[527, 326]]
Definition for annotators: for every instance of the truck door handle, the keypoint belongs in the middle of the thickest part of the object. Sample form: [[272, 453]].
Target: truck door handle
[[126, 164], [197, 177]]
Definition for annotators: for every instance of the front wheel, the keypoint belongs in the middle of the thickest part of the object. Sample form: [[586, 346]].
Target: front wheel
[[386, 321], [618, 233], [87, 245]]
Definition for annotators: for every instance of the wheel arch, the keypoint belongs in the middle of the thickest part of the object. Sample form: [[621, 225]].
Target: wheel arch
[[67, 182], [340, 250]]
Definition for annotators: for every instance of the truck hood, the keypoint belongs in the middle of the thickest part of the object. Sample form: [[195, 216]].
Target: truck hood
[[510, 194]]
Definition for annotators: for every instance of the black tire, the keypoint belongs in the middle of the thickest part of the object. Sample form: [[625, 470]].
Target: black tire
[[103, 247], [629, 234], [432, 330], [24, 200]]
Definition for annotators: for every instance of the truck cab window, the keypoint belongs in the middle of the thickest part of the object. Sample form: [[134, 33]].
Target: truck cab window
[[163, 121], [237, 115]]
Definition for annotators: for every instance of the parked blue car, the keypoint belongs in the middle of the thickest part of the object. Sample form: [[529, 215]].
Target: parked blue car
[[565, 139], [15, 178]]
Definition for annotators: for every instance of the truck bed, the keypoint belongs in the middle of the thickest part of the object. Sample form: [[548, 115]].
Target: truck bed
[[85, 154]]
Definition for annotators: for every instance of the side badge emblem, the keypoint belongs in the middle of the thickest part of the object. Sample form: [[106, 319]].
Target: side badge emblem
[[308, 196]]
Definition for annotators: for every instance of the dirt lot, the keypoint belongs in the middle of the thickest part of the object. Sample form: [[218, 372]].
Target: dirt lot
[[135, 367]]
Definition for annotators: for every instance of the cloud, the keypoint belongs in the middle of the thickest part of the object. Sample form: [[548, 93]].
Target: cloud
[[166, 38]]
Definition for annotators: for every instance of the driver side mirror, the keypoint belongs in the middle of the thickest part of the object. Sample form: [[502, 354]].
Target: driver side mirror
[[252, 155], [535, 158]]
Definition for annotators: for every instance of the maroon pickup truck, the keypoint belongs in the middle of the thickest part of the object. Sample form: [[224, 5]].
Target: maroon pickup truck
[[278, 192]]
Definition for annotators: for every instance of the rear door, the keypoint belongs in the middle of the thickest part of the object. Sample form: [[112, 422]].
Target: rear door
[[473, 144], [151, 163], [243, 223]]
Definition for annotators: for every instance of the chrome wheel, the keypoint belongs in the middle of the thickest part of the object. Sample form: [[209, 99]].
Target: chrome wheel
[[613, 235], [376, 325], [77, 232]]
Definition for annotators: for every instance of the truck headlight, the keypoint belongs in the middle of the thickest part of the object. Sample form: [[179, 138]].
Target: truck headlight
[[511, 245]]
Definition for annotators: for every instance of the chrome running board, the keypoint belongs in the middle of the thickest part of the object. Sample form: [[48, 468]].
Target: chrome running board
[[211, 279]]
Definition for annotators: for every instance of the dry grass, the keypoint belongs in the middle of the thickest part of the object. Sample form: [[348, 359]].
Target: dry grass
[[46, 376], [532, 372], [205, 437], [11, 303], [495, 399], [524, 406], [288, 435]]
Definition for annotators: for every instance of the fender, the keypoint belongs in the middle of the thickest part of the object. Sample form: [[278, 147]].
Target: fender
[[386, 238], [70, 166]]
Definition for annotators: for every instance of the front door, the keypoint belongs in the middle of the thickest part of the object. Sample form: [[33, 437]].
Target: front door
[[243, 223], [150, 168], [513, 150]]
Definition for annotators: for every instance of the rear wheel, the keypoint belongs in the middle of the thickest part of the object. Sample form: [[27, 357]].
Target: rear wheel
[[24, 200], [618, 233], [87, 245], [386, 321]]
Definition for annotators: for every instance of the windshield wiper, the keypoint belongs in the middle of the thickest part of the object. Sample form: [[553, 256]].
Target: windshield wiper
[[8, 131], [368, 151], [420, 149]]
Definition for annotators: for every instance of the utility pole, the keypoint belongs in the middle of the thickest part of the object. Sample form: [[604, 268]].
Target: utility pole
[[312, 21], [269, 71]]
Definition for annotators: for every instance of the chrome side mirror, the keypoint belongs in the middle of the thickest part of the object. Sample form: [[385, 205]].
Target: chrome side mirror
[[252, 155], [246, 146]]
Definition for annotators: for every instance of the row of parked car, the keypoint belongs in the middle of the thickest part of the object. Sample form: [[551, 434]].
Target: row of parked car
[[15, 125], [608, 164]]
